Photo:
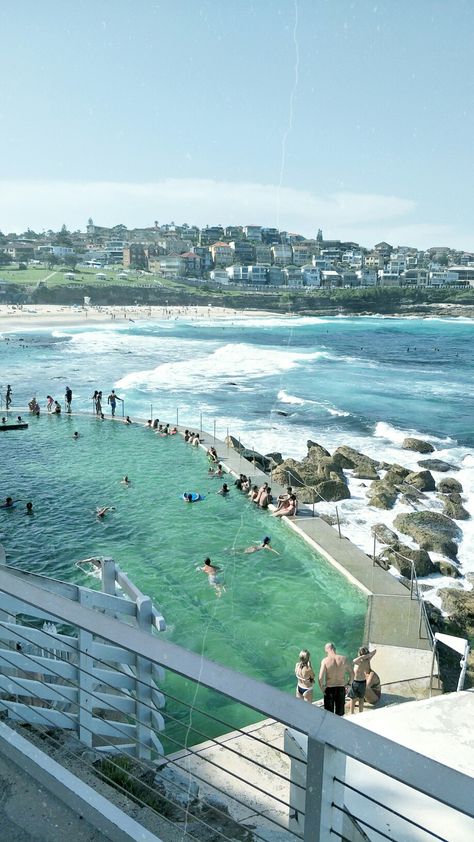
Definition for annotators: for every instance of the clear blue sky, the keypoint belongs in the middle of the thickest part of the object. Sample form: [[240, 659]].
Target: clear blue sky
[[136, 110]]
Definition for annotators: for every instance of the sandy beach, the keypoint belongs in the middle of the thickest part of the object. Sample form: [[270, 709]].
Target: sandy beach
[[46, 315]]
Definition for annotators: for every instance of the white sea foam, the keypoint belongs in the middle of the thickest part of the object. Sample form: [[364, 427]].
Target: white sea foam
[[284, 397], [229, 362], [395, 435]]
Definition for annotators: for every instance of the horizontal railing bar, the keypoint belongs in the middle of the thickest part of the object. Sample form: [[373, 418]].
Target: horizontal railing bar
[[38, 714], [23, 661], [120, 733], [366, 824], [42, 639], [390, 810], [423, 774], [40, 689]]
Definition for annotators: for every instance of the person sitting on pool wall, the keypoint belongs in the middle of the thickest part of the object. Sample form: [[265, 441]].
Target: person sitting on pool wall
[[288, 508]]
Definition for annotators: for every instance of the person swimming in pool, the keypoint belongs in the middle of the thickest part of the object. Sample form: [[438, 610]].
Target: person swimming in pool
[[101, 511], [212, 571], [8, 504], [224, 490], [265, 545], [125, 481]]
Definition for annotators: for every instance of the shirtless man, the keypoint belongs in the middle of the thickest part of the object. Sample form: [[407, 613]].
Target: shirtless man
[[332, 679], [362, 668]]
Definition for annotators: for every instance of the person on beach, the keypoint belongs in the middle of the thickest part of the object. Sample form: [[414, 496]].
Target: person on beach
[[224, 490], [148, 424], [4, 420], [68, 398], [332, 679], [212, 571], [212, 455], [94, 399], [265, 545], [19, 419], [112, 400], [49, 403], [8, 397], [288, 507], [362, 668], [155, 423], [196, 440], [305, 677]]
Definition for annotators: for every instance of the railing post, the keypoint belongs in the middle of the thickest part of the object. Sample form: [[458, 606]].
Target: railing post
[[143, 671], [338, 522], [200, 424], [177, 417], [324, 763], [108, 575], [151, 411], [411, 579], [214, 431], [85, 681], [374, 550]]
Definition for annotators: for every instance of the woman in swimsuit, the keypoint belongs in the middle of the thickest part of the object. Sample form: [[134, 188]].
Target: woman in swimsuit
[[305, 677]]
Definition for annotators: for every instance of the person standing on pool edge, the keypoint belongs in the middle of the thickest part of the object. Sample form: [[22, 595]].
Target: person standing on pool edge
[[68, 398], [112, 400], [8, 397], [332, 679], [305, 677]]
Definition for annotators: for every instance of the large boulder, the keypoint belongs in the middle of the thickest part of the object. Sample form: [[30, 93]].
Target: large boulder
[[347, 457], [447, 568], [448, 485], [459, 605], [422, 480], [395, 474], [316, 450], [234, 443], [332, 490], [274, 459], [431, 531], [382, 495], [256, 458], [436, 465], [288, 473], [384, 534], [419, 445], [454, 508], [315, 470], [365, 470], [402, 557]]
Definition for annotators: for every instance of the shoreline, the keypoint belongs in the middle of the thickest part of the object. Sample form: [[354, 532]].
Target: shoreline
[[14, 317]]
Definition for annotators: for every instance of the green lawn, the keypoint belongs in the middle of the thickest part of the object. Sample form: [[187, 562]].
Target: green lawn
[[57, 277]]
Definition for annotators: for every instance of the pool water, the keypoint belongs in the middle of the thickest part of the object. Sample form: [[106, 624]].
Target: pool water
[[273, 605]]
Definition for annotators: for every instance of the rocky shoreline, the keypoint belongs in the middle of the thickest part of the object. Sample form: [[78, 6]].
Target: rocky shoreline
[[407, 550]]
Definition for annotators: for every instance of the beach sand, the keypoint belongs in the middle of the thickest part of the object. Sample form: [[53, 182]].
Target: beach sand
[[50, 315]]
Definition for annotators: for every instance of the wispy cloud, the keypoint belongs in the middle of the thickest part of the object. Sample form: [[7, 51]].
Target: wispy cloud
[[365, 217]]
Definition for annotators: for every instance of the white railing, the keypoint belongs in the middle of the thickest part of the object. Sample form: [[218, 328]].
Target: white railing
[[293, 779]]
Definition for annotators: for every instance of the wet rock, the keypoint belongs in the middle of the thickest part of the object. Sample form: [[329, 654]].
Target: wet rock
[[288, 473], [384, 534], [459, 605], [347, 457], [422, 480], [179, 787], [234, 443], [402, 557], [395, 474], [365, 470], [455, 509], [431, 531], [274, 459], [447, 568], [256, 458], [314, 470], [419, 445], [436, 465], [316, 450], [280, 412], [382, 495], [449, 484], [435, 616], [333, 490]]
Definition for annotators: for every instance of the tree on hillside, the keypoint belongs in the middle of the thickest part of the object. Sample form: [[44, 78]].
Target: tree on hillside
[[63, 237], [3, 239], [70, 260], [5, 258], [51, 260]]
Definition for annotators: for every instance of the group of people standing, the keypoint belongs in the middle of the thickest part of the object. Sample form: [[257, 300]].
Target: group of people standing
[[337, 678]]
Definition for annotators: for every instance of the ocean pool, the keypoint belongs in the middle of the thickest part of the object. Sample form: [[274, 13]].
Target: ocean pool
[[272, 606]]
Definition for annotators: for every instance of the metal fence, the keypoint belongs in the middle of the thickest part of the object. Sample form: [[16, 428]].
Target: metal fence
[[290, 776]]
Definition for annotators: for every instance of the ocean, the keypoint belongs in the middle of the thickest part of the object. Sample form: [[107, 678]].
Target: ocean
[[275, 382]]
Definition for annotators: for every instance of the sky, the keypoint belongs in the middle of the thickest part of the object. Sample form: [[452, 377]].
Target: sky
[[352, 116]]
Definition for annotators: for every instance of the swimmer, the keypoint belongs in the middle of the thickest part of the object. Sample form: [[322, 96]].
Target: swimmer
[[4, 420], [102, 510], [148, 423], [8, 504], [211, 570], [29, 508], [75, 435], [128, 420], [261, 491], [265, 545], [188, 498], [125, 480], [224, 490], [253, 493]]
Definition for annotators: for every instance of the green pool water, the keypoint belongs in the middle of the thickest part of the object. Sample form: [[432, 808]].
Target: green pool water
[[272, 606]]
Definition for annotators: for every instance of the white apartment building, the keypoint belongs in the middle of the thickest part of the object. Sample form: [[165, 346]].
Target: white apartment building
[[282, 254], [302, 254], [311, 275], [238, 274], [222, 255], [258, 274], [263, 253], [253, 232], [367, 277]]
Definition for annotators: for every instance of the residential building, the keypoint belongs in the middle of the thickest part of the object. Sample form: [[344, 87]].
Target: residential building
[[330, 278], [443, 277], [205, 256], [258, 274], [170, 265], [275, 276], [374, 260], [367, 277], [222, 254], [354, 259], [383, 248], [292, 276], [322, 262], [350, 279], [270, 235], [263, 253], [282, 255], [244, 251], [311, 275], [220, 276], [389, 279], [192, 264], [465, 274], [253, 232], [209, 235], [416, 277], [234, 232], [23, 252], [135, 256], [238, 274], [302, 253], [397, 264]]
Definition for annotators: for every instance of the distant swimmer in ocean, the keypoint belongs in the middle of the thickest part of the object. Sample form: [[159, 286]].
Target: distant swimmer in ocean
[[101, 511], [29, 508], [8, 504], [212, 571], [265, 545], [125, 480], [75, 435]]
